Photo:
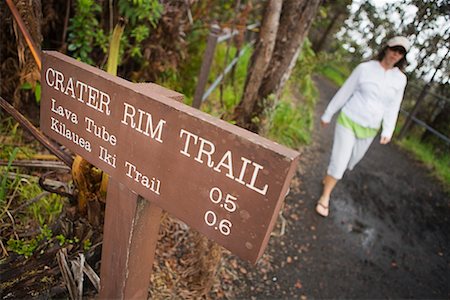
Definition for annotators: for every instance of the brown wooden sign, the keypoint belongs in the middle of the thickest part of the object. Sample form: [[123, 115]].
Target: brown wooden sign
[[223, 181]]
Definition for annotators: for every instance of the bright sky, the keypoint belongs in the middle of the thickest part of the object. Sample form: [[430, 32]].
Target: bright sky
[[423, 36]]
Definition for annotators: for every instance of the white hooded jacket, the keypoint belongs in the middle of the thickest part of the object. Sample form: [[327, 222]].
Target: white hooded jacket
[[371, 97]]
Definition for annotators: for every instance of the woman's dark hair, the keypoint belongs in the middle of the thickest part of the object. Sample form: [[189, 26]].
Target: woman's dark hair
[[401, 64]]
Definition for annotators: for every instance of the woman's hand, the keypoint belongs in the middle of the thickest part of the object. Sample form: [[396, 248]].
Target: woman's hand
[[384, 140], [323, 124]]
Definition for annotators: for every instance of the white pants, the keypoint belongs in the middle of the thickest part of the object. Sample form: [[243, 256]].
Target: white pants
[[347, 151]]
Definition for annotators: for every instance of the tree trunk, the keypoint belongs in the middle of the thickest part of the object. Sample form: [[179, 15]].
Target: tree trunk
[[320, 44], [259, 63], [270, 69], [295, 21]]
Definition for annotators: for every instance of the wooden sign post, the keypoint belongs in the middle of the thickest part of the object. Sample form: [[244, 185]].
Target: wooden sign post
[[129, 242], [221, 180]]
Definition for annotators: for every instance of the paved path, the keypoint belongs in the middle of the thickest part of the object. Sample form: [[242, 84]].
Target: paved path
[[386, 236]]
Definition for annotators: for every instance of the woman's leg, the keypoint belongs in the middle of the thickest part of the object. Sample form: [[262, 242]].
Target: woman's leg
[[343, 143], [359, 150], [323, 204]]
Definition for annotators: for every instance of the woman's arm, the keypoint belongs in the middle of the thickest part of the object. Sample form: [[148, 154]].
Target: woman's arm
[[342, 95], [391, 114]]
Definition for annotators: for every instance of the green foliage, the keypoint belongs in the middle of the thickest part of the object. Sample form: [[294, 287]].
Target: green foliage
[[4, 182], [10, 138], [47, 209], [333, 74], [232, 86], [84, 31], [17, 192], [24, 207], [41, 213], [88, 42], [10, 134], [27, 247], [141, 11], [290, 125], [22, 247], [62, 240], [440, 164], [44, 211], [36, 89], [307, 62], [141, 16], [331, 65], [291, 120], [139, 34], [87, 244], [184, 79]]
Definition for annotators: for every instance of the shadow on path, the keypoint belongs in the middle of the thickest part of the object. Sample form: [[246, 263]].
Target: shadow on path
[[386, 236]]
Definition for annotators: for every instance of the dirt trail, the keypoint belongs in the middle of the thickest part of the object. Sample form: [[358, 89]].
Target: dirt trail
[[386, 236]]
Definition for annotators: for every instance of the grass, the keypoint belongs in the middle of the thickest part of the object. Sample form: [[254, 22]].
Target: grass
[[24, 215], [3, 184], [44, 211], [440, 165], [337, 73], [290, 125], [291, 121], [18, 215]]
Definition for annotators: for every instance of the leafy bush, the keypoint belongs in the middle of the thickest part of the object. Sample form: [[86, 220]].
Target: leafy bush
[[141, 16], [140, 10], [84, 31]]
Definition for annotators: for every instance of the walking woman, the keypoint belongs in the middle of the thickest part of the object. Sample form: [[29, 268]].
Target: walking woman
[[369, 99]]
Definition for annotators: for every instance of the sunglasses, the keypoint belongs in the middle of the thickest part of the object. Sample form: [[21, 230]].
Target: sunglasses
[[398, 49]]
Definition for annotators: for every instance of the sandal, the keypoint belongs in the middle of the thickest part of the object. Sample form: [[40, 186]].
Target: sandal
[[322, 209]]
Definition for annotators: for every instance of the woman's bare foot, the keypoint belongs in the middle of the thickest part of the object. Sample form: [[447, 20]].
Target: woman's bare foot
[[322, 207]]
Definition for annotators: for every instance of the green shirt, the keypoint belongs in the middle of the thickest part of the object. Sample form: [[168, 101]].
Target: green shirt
[[360, 132]]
